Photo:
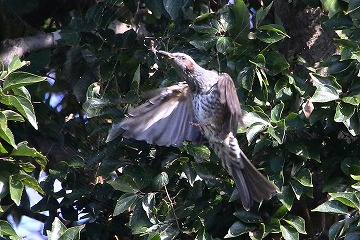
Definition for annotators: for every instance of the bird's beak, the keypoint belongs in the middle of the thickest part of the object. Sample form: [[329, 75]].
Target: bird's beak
[[166, 54]]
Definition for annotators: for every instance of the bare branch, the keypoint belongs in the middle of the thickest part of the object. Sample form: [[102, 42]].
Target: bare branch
[[21, 46]]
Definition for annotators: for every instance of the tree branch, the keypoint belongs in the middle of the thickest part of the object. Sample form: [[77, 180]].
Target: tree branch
[[21, 46]]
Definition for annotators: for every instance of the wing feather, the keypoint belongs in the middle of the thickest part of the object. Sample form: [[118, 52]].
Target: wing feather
[[164, 120], [228, 96]]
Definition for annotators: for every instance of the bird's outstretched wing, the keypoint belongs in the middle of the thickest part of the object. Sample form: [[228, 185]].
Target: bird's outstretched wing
[[165, 120], [229, 97]]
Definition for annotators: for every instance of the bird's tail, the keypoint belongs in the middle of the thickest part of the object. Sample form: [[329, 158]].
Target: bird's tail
[[251, 184]]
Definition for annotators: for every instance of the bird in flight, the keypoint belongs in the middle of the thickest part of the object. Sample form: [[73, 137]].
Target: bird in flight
[[204, 105]]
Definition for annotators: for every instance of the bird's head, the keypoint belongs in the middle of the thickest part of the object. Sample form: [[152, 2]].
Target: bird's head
[[182, 63]]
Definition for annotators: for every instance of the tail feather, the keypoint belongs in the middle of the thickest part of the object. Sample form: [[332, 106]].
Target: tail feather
[[251, 184]]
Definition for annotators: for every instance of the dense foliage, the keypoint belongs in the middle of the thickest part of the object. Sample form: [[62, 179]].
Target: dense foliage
[[301, 121]]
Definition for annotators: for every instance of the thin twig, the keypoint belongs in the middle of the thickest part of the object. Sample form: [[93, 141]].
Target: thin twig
[[172, 207]]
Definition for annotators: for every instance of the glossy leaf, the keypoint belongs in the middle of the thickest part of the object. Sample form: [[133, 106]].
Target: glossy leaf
[[7, 230], [161, 180], [16, 64], [343, 112], [72, 233], [331, 207], [297, 222], [347, 198], [5, 132], [248, 217], [124, 203], [25, 107], [16, 188], [261, 14], [286, 197], [204, 42], [20, 79], [238, 229], [289, 233], [325, 93], [174, 7], [223, 45]]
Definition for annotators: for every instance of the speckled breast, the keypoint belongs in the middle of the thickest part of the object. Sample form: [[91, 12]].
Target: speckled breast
[[209, 113]]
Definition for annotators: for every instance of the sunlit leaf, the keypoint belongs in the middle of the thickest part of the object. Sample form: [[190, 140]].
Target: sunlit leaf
[[296, 222], [20, 79], [331, 207], [289, 233]]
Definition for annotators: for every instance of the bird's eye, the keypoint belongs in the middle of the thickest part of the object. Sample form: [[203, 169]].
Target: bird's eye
[[183, 57]]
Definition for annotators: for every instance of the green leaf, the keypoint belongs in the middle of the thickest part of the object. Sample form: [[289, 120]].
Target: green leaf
[[139, 221], [273, 27], [248, 217], [16, 189], [241, 27], [126, 183], [25, 107], [347, 198], [198, 151], [319, 80], [303, 176], [353, 6], [27, 180], [204, 42], [246, 77], [190, 173], [125, 202], [13, 116], [254, 130], [237, 229], [286, 197], [259, 61], [353, 124], [256, 123], [352, 99], [148, 203], [331, 206], [297, 188], [343, 112], [280, 213], [283, 89], [325, 93], [5, 132], [24, 150], [174, 7], [204, 28], [278, 132], [223, 45], [271, 33], [276, 63], [289, 233], [331, 6], [72, 233], [261, 14], [57, 229], [335, 230], [161, 180], [16, 64], [297, 222], [276, 112], [202, 234], [7, 230], [20, 79], [339, 21]]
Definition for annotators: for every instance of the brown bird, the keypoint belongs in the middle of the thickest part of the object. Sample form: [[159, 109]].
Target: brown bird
[[207, 105]]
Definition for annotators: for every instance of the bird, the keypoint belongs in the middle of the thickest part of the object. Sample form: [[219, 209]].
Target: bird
[[204, 105]]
